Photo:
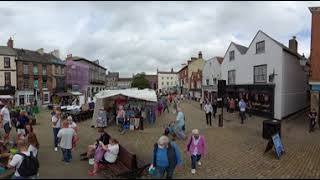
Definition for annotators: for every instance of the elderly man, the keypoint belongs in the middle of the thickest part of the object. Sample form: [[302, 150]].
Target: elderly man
[[166, 156]]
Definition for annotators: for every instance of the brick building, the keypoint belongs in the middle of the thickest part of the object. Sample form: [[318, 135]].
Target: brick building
[[153, 81], [183, 79], [35, 76], [196, 84], [314, 80]]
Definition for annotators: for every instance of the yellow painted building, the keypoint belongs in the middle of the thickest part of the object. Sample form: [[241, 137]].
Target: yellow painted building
[[195, 65]]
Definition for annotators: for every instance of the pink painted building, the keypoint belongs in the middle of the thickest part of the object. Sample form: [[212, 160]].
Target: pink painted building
[[77, 75]]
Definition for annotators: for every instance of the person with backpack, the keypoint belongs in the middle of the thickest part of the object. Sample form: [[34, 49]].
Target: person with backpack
[[196, 148], [25, 163], [166, 157]]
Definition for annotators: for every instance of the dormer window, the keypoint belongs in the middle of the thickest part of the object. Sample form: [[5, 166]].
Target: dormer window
[[260, 47], [231, 55]]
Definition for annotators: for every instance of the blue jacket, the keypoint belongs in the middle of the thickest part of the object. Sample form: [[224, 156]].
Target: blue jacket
[[160, 156]]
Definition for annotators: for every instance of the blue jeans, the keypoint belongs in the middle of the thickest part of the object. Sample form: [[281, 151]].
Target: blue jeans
[[160, 172], [194, 160], [16, 177], [55, 138], [66, 155]]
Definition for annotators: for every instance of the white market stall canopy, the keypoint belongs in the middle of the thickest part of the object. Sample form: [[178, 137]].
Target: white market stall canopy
[[144, 94]]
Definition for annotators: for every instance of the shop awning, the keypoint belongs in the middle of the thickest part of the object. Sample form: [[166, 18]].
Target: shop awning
[[6, 97]]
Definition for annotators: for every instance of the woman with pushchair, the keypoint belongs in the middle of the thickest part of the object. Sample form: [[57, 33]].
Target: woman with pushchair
[[177, 127]]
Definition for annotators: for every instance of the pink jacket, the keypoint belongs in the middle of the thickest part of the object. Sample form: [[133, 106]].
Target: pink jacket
[[202, 147]]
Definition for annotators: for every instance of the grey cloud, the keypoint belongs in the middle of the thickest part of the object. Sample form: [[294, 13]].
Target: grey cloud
[[131, 37]]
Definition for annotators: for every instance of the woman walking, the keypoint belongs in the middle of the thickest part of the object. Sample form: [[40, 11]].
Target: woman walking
[[196, 148]]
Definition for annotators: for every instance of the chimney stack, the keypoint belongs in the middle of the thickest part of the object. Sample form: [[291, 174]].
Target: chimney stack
[[293, 44], [10, 43], [69, 57], [56, 53], [40, 51], [200, 55]]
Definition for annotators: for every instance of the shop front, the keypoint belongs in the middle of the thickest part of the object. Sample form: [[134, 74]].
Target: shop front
[[261, 96]]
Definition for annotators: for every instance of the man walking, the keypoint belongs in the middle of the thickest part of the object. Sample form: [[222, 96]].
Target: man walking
[[66, 135], [5, 121], [56, 125], [208, 111], [214, 107], [312, 118], [242, 107]]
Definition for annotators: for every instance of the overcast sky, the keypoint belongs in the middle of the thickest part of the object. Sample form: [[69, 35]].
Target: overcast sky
[[132, 37]]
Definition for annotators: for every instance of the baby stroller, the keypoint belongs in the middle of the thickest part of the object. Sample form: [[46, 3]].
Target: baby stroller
[[170, 129]]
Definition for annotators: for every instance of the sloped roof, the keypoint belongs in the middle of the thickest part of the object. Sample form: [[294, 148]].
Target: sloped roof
[[34, 56], [4, 50], [220, 59], [242, 49], [76, 58]]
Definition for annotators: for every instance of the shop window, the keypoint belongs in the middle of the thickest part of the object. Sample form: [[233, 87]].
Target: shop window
[[46, 97], [21, 100], [6, 62], [260, 74], [31, 98], [232, 77]]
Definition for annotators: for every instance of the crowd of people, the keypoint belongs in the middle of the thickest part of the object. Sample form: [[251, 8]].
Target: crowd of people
[[25, 162]]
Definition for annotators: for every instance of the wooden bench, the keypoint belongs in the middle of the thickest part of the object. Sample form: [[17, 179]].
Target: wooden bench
[[126, 165]]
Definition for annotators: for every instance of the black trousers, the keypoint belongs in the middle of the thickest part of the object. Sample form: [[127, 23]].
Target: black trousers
[[208, 117], [214, 111], [312, 125], [243, 116]]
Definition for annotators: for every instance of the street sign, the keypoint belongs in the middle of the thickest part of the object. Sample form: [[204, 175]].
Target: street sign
[[278, 147]]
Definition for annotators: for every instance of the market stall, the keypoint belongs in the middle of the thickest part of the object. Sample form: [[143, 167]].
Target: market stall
[[138, 105]]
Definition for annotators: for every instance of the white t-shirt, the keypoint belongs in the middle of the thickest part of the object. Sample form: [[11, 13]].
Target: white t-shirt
[[111, 155], [33, 149], [55, 119], [208, 108], [5, 115], [66, 135], [17, 161], [73, 125]]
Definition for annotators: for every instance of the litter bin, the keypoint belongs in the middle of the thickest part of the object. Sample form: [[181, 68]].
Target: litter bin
[[270, 128]]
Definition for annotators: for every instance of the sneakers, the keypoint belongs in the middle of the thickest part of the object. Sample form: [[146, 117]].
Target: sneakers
[[199, 163], [193, 171], [55, 149]]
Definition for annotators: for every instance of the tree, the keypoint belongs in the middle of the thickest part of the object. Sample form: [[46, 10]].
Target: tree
[[139, 81]]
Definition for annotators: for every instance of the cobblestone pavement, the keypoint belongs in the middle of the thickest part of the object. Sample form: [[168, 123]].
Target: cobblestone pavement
[[235, 151]]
